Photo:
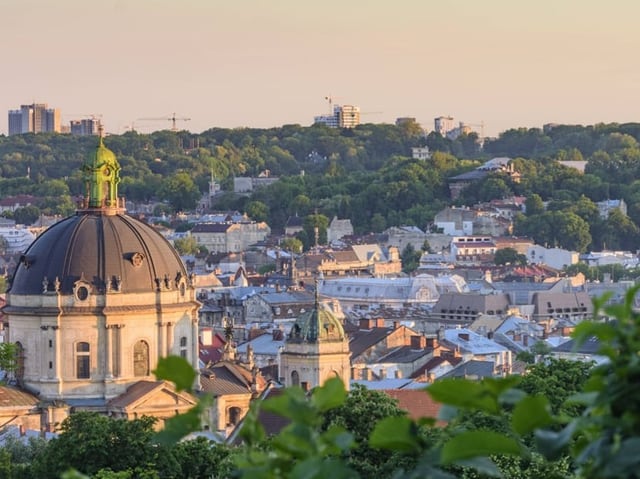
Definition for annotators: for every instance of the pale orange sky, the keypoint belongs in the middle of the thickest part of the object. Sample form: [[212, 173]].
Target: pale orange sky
[[259, 63]]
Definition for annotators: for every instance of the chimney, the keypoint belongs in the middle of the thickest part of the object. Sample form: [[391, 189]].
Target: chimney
[[366, 323], [490, 335], [464, 336], [432, 342], [418, 342], [22, 431], [396, 325], [380, 323]]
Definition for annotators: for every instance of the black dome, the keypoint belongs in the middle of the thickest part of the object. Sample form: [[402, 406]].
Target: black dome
[[111, 252]]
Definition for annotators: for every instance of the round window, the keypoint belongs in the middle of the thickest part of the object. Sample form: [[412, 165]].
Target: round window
[[82, 293]]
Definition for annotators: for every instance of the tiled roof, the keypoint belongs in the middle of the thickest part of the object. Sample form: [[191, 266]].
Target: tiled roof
[[363, 339], [479, 369], [404, 354], [418, 403], [11, 397], [211, 228], [226, 377], [135, 392]]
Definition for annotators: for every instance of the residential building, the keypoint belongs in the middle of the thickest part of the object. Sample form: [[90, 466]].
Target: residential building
[[84, 127], [338, 229], [230, 237], [34, 118], [420, 153], [472, 249], [607, 206], [344, 116], [473, 346], [557, 258], [443, 125]]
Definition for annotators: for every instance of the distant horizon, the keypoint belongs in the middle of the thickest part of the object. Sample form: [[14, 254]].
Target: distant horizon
[[267, 64]]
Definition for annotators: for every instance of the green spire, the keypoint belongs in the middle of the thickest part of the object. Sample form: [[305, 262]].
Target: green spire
[[101, 174]]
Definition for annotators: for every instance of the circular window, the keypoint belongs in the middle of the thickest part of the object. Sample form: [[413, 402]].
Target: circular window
[[82, 293]]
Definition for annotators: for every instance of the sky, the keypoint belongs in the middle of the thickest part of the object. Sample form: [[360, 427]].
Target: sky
[[257, 63]]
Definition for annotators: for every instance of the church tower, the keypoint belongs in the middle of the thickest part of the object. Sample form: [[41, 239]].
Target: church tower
[[98, 299], [317, 349]]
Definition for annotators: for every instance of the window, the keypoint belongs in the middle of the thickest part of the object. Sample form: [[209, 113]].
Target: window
[[183, 347], [141, 359], [295, 378], [83, 361], [234, 414]]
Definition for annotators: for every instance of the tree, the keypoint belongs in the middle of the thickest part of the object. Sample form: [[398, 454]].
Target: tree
[[26, 215], [360, 412], [187, 245], [201, 458], [410, 258], [257, 211], [180, 191], [310, 223], [8, 352], [294, 245], [534, 205], [509, 256], [89, 442]]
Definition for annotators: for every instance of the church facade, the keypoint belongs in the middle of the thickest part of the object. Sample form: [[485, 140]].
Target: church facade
[[96, 301]]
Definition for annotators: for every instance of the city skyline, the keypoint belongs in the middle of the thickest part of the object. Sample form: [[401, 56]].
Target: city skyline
[[258, 64]]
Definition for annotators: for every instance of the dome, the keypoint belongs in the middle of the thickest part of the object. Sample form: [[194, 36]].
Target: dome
[[110, 252], [100, 246], [317, 325]]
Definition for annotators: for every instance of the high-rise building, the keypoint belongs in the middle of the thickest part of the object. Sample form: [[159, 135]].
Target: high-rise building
[[344, 116], [444, 124], [34, 118], [84, 127]]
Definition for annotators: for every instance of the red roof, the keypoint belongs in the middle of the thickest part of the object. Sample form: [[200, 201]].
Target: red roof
[[417, 402]]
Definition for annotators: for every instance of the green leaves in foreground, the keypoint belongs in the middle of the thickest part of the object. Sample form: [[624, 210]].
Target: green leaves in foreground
[[178, 371]]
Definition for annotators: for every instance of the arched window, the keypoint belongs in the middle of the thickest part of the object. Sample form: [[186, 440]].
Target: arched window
[[183, 347], [295, 378], [141, 359], [83, 361]]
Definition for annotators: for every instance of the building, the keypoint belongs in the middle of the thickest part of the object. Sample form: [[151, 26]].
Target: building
[[230, 237], [34, 118], [344, 116], [316, 350], [84, 127], [95, 302], [607, 206], [443, 125], [338, 229]]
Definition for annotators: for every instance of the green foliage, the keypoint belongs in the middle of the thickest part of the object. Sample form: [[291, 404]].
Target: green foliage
[[26, 215], [293, 245], [410, 258], [8, 352], [187, 245], [509, 256]]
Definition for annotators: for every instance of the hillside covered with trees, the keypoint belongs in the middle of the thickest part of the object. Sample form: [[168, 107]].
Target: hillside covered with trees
[[365, 174]]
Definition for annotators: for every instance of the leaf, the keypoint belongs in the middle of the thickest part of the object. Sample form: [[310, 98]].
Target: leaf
[[483, 465], [625, 460], [331, 395], [397, 433], [530, 413], [177, 370], [471, 444], [463, 394], [177, 427], [550, 443]]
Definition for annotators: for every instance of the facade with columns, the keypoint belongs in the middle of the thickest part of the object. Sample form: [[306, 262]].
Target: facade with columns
[[97, 300]]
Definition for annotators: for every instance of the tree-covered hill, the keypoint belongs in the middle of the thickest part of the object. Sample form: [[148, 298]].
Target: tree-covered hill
[[365, 174]]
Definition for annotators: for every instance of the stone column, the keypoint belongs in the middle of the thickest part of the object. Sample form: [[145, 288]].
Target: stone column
[[170, 338], [109, 351]]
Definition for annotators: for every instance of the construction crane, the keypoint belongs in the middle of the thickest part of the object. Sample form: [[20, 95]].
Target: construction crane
[[330, 99], [477, 125], [173, 119]]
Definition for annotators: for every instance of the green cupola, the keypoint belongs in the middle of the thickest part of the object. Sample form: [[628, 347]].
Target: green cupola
[[101, 175]]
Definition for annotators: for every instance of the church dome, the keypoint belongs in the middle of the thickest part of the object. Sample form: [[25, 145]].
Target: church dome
[[100, 247], [317, 325], [110, 252]]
